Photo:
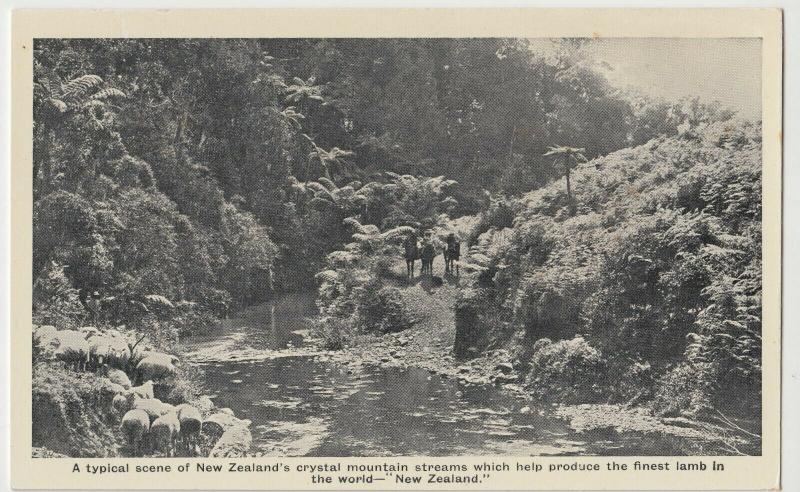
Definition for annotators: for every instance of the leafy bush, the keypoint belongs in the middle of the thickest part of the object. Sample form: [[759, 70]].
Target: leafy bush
[[335, 333], [499, 214], [567, 371], [686, 388], [55, 301], [381, 309]]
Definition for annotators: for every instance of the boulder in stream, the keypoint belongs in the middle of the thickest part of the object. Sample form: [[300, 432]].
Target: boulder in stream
[[234, 442]]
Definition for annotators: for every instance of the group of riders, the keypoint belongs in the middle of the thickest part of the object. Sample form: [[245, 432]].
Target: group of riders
[[427, 249]]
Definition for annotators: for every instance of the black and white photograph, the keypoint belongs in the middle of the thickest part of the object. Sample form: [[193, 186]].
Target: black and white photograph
[[395, 247]]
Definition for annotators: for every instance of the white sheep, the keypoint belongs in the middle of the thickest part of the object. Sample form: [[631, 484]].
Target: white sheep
[[152, 406], [89, 331], [144, 390], [191, 423], [118, 377], [119, 352], [73, 349], [45, 337], [99, 350], [45, 331], [135, 426], [164, 432], [120, 404], [156, 366], [113, 333]]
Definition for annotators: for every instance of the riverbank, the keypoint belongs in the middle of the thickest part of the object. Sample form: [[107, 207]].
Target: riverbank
[[428, 344], [82, 411]]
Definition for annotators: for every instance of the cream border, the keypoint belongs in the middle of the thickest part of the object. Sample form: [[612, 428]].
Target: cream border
[[741, 472]]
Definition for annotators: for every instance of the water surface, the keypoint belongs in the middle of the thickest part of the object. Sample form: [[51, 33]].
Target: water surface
[[302, 406]]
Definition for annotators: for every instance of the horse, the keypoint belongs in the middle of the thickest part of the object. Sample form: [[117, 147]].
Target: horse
[[411, 254], [427, 254], [452, 253]]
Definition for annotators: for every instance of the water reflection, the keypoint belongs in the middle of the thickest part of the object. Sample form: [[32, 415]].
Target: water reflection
[[301, 406]]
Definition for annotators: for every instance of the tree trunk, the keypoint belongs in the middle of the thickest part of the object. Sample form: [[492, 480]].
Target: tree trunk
[[178, 141], [511, 147], [570, 203], [569, 190]]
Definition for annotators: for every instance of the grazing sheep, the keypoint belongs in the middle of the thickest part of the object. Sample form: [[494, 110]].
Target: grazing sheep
[[99, 350], [73, 349], [156, 366], [119, 377], [144, 390], [191, 423], [135, 426], [111, 332], [119, 353], [164, 432], [45, 337], [120, 404], [45, 331], [153, 407]]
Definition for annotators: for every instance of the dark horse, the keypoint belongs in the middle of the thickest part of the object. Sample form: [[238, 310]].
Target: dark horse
[[452, 253], [427, 254], [411, 253]]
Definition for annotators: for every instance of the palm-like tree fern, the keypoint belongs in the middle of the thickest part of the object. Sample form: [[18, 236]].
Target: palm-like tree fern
[[303, 90], [569, 156], [61, 97], [55, 100]]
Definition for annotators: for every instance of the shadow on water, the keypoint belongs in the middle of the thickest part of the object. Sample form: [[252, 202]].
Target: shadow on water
[[301, 406]]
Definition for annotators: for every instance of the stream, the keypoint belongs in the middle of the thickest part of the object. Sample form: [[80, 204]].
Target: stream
[[256, 365]]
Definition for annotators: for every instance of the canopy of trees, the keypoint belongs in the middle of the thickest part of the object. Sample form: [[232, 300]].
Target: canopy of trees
[[216, 171]]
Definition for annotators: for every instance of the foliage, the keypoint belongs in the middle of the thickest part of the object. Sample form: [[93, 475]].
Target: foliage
[[210, 173], [56, 301], [381, 309], [660, 264], [334, 333], [683, 389], [567, 371]]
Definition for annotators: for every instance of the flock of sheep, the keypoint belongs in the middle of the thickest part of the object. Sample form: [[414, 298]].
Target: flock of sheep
[[148, 424]]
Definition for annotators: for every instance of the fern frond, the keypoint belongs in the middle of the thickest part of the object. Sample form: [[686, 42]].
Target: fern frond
[[52, 84], [355, 224], [79, 87], [327, 276], [321, 192], [327, 183], [397, 232], [60, 105], [107, 93]]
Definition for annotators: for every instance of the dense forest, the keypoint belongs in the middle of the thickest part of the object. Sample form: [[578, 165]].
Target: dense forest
[[611, 240]]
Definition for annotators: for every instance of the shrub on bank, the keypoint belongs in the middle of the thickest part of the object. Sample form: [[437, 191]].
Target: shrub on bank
[[334, 333], [567, 371], [683, 389], [382, 309]]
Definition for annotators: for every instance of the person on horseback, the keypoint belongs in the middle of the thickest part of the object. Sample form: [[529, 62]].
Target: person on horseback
[[411, 253], [452, 254]]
